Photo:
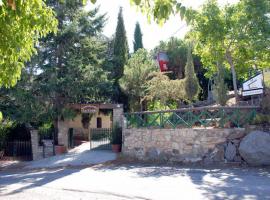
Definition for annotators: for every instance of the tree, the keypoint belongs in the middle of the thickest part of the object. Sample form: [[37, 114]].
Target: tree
[[176, 49], [233, 35], [19, 104], [136, 75], [36, 20], [161, 88], [21, 26], [66, 70], [137, 43], [220, 87], [71, 61], [120, 57], [191, 81], [120, 49]]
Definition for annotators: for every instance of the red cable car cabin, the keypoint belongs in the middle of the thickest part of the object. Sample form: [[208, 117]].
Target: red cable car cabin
[[163, 61]]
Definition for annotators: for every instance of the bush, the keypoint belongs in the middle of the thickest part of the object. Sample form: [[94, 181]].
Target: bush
[[46, 131], [262, 119], [5, 129], [116, 137]]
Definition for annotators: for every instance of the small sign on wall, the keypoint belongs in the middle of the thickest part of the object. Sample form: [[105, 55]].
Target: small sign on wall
[[89, 109]]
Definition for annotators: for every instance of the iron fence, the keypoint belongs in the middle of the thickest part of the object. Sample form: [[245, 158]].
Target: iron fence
[[100, 138], [21, 149], [193, 117]]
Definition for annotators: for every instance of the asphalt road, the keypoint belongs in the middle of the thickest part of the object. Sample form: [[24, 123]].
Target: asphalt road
[[140, 182]]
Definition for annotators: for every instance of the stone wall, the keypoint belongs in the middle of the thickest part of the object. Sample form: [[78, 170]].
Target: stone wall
[[39, 152], [184, 145]]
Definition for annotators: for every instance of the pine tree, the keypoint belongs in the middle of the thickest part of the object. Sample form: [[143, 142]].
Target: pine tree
[[120, 49], [137, 44], [69, 66], [191, 81]]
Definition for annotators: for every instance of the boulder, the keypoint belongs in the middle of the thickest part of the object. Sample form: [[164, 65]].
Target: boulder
[[255, 148]]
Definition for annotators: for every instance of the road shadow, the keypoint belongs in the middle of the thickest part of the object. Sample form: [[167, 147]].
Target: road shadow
[[31, 179], [215, 183]]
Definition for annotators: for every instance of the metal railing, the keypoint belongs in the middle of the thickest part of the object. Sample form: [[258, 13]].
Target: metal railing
[[17, 149], [193, 117], [100, 138]]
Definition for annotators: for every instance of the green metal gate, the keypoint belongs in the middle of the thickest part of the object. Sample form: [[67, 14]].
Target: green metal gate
[[100, 138]]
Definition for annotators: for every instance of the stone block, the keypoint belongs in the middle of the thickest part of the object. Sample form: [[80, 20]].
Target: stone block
[[153, 153], [230, 152], [236, 135]]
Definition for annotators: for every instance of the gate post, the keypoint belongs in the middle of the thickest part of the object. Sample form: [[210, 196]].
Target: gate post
[[36, 150], [62, 133]]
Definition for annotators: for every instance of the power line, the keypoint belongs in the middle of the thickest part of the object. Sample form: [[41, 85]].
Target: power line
[[183, 26]]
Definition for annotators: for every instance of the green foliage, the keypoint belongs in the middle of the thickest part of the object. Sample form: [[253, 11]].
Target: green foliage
[[120, 49], [161, 88], [261, 119], [136, 75], [234, 33], [22, 24], [265, 104], [19, 103], [191, 83], [137, 43], [5, 127], [220, 87], [157, 105], [46, 129], [116, 137], [71, 62], [67, 69], [267, 78], [176, 49], [160, 10]]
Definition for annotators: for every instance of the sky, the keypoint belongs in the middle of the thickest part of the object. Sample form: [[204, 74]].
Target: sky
[[152, 33]]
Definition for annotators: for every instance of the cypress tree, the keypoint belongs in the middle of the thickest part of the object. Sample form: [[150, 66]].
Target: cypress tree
[[191, 81], [220, 86], [120, 49], [137, 44]]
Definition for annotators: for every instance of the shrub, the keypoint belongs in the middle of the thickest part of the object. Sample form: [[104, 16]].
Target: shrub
[[262, 119], [220, 87], [191, 84], [5, 128], [116, 137]]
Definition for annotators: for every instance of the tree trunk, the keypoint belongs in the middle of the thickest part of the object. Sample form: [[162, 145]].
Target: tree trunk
[[230, 61], [143, 105], [55, 133]]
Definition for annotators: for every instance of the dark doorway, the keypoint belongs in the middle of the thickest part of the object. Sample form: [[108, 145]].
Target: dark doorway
[[99, 122], [70, 138]]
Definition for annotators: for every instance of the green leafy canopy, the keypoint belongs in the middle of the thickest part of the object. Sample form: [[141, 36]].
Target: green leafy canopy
[[21, 26]]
